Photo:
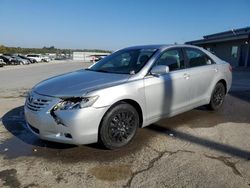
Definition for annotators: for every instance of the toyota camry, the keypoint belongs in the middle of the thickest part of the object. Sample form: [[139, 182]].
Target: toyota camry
[[129, 89]]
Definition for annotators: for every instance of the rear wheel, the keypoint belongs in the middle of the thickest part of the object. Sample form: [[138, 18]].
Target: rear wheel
[[118, 126], [217, 97]]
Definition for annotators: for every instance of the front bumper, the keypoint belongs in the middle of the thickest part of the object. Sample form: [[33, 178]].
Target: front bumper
[[75, 127]]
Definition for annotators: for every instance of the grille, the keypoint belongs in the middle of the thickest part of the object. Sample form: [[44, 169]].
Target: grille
[[36, 104]]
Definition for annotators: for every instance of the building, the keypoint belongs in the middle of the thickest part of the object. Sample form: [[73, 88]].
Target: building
[[231, 46], [87, 56], [51, 55]]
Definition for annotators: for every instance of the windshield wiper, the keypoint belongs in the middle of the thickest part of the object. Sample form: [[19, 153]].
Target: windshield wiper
[[102, 71], [106, 71], [96, 70]]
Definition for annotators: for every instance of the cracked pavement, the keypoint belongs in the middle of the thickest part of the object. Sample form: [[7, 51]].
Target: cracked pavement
[[198, 148]]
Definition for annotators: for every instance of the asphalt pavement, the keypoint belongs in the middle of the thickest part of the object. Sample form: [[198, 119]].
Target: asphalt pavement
[[199, 148]]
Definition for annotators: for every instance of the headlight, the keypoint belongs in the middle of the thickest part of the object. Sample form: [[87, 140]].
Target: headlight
[[76, 103]]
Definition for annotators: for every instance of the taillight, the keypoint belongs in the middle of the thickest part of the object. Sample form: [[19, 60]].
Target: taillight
[[230, 68]]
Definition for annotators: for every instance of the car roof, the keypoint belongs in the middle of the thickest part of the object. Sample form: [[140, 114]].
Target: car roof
[[153, 46], [160, 46]]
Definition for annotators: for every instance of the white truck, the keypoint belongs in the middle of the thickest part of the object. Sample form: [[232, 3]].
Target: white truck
[[36, 57]]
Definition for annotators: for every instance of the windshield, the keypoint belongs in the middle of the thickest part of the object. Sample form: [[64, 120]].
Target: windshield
[[124, 61]]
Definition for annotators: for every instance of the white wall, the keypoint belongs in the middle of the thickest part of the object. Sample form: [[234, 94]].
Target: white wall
[[85, 56]]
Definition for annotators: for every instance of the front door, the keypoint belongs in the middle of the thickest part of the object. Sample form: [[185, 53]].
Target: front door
[[165, 94]]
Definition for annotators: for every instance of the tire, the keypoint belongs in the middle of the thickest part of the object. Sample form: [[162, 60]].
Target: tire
[[119, 126], [217, 97]]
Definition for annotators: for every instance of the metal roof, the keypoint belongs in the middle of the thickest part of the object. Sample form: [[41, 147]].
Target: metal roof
[[234, 34]]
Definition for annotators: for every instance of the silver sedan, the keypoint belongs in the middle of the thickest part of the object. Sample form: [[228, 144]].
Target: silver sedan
[[131, 88]]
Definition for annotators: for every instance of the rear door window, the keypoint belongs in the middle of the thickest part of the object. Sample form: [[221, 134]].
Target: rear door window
[[197, 58]]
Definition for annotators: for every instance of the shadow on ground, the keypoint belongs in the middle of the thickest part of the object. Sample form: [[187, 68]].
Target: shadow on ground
[[243, 95], [234, 151], [235, 109], [24, 143]]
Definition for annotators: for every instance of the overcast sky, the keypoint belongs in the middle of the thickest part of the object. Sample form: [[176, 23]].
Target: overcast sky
[[113, 24]]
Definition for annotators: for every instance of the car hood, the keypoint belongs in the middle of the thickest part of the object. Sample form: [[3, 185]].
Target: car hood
[[78, 83]]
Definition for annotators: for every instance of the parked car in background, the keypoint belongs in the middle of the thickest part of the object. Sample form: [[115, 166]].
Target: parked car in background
[[2, 63], [95, 58], [36, 57], [131, 88], [45, 59], [60, 58], [29, 59], [21, 61], [16, 60], [11, 59], [7, 59]]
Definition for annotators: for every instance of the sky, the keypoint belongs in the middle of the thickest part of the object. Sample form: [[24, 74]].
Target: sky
[[114, 24]]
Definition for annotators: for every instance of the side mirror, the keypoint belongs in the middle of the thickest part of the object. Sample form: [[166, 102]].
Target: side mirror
[[159, 70]]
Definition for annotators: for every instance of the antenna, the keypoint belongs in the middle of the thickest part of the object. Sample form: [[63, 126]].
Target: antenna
[[233, 32]]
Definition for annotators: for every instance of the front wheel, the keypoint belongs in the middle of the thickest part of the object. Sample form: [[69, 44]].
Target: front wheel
[[119, 126], [217, 97]]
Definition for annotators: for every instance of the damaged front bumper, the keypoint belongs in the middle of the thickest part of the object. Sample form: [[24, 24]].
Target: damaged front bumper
[[79, 126]]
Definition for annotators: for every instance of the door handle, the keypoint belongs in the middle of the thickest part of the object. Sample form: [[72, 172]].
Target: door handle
[[186, 76]]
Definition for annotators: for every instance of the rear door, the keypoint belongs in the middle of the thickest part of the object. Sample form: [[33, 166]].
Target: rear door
[[201, 71]]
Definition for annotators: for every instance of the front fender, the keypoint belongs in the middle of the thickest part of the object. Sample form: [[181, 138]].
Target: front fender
[[132, 90]]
